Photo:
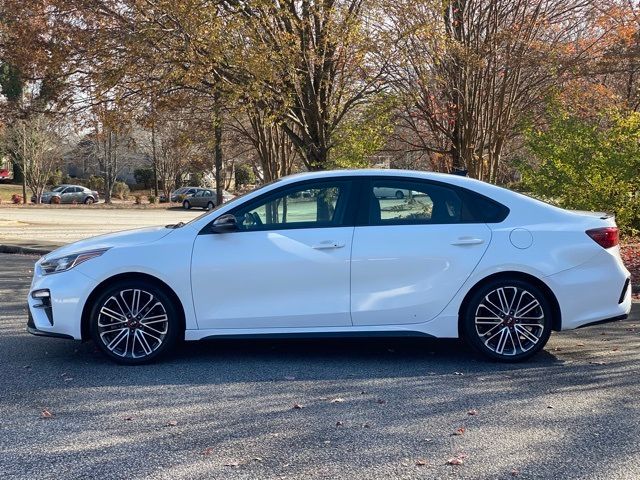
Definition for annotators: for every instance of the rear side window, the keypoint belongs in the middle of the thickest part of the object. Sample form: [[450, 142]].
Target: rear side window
[[404, 202]]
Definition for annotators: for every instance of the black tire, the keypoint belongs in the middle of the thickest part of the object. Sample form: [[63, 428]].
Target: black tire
[[399, 194], [112, 317], [89, 200], [507, 334], [186, 205], [210, 206]]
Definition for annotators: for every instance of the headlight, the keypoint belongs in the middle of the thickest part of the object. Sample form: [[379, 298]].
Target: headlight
[[62, 264]]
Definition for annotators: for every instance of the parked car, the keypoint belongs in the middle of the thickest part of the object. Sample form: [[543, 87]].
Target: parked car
[[205, 198], [179, 194], [386, 192], [69, 194], [462, 259]]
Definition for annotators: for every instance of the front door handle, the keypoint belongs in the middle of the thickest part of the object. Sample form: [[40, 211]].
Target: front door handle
[[328, 244], [467, 241]]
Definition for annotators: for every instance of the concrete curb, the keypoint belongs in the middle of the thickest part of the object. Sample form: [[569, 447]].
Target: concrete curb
[[19, 249]]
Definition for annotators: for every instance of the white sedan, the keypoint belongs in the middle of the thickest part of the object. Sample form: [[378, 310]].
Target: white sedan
[[454, 257]]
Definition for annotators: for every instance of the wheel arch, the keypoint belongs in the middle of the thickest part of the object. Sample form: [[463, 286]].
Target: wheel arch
[[86, 309], [555, 306]]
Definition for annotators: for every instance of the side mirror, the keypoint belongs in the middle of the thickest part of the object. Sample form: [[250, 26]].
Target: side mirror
[[224, 224]]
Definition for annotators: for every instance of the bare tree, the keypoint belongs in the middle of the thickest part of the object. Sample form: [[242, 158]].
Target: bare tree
[[37, 147]]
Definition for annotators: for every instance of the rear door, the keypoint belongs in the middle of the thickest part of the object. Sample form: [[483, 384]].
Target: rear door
[[411, 252]]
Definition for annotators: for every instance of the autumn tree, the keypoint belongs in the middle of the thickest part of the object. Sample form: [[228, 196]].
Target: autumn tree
[[471, 71]]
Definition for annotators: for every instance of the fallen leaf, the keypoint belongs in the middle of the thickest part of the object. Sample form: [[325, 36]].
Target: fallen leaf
[[339, 424], [550, 406], [580, 344], [421, 462], [454, 461], [459, 431], [207, 451], [46, 414], [473, 411], [232, 464], [297, 406], [257, 459], [337, 400], [514, 473], [128, 419], [172, 423]]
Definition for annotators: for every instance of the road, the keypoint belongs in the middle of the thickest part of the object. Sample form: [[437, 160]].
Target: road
[[44, 224], [371, 408]]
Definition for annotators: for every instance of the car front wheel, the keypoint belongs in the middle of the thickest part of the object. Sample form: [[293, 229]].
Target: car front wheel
[[507, 320], [186, 205], [210, 206], [88, 201], [134, 322]]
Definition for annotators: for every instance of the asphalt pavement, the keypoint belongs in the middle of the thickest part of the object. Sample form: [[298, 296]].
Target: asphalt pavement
[[316, 409]]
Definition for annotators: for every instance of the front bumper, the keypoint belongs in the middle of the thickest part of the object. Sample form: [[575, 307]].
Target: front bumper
[[68, 294], [31, 328]]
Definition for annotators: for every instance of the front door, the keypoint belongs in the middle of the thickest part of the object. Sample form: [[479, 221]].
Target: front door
[[287, 265], [413, 252]]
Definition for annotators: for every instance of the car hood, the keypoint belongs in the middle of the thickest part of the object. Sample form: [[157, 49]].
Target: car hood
[[119, 239]]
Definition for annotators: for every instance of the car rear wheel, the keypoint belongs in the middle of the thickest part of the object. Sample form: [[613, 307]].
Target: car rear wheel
[[134, 322], [186, 205], [507, 320]]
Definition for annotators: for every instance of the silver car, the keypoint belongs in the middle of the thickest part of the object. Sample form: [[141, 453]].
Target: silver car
[[69, 194], [205, 198]]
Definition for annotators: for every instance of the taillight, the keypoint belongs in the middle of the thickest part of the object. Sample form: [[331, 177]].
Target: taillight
[[606, 237]]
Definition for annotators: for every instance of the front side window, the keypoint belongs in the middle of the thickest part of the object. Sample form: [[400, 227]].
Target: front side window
[[310, 205]]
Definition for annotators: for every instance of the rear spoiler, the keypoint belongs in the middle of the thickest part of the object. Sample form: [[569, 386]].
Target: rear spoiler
[[600, 215]]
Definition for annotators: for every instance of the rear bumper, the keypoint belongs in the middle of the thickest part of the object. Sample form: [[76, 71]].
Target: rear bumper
[[594, 292]]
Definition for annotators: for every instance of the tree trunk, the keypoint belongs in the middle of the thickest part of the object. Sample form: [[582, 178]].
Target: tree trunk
[[217, 150]]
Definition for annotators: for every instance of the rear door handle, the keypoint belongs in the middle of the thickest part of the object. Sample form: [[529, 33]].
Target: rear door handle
[[467, 241], [328, 244]]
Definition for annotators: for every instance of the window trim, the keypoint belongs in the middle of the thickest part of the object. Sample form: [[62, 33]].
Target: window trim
[[348, 212], [463, 194]]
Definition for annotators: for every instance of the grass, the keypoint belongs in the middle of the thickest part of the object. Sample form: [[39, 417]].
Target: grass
[[7, 190]]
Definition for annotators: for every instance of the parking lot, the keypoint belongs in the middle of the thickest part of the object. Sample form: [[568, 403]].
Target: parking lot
[[352, 409]]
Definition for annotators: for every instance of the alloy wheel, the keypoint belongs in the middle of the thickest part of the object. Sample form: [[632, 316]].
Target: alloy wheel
[[510, 321], [132, 323]]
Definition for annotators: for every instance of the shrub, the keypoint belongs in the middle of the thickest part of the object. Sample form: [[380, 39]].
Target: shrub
[[96, 183], [589, 165], [152, 199], [15, 198], [143, 176], [55, 178], [121, 190], [244, 175], [138, 199]]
